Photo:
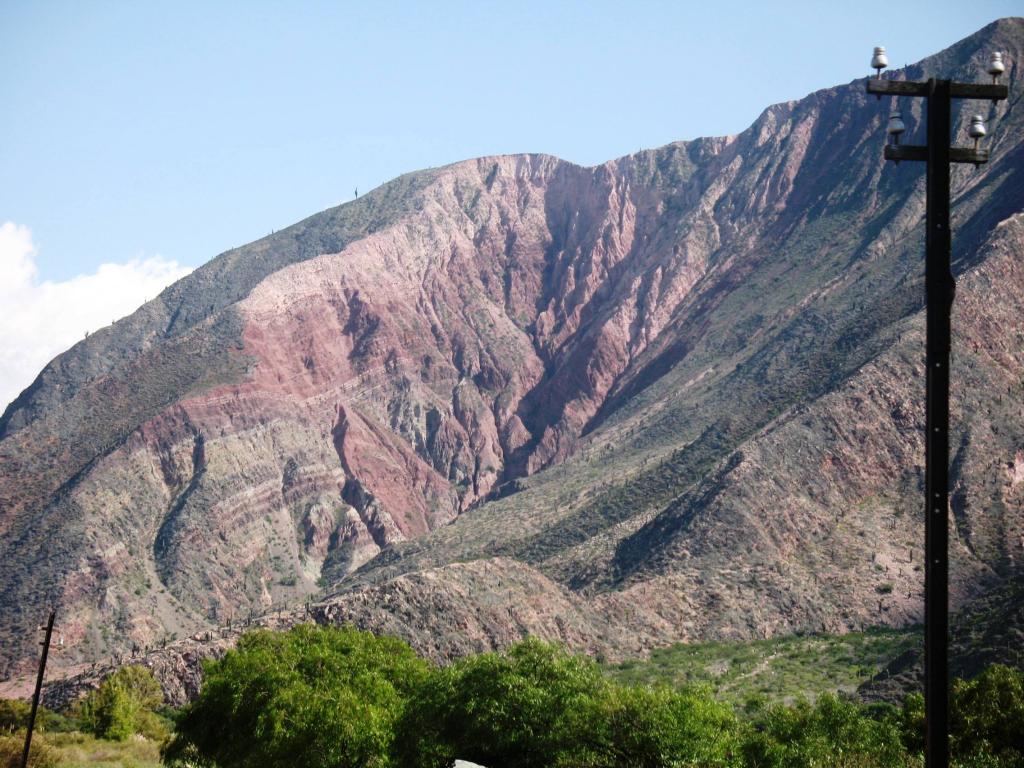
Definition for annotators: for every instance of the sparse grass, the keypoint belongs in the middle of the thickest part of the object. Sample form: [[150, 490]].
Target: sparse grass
[[780, 669], [78, 750]]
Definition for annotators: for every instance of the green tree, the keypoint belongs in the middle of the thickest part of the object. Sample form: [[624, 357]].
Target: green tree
[[986, 715], [911, 723], [832, 733], [657, 728], [536, 704], [123, 705], [13, 715], [986, 718], [506, 710], [313, 696]]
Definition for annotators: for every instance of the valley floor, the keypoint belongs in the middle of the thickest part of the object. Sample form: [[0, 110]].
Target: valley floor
[[775, 670]]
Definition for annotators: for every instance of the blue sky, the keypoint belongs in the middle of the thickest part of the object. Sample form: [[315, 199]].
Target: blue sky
[[160, 134]]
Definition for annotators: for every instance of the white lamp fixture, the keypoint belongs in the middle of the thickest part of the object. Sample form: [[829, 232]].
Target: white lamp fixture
[[996, 66], [896, 126], [879, 61], [977, 130]]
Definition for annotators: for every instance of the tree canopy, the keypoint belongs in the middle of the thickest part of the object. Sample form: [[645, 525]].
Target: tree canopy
[[123, 705], [316, 697], [538, 705], [340, 698]]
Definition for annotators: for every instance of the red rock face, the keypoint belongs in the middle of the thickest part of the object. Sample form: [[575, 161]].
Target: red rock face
[[387, 388], [332, 398], [434, 361]]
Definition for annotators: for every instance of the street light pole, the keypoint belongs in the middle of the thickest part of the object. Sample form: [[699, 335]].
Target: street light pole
[[939, 290], [39, 686]]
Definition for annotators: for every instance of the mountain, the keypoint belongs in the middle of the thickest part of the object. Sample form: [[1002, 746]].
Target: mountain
[[989, 630], [675, 396]]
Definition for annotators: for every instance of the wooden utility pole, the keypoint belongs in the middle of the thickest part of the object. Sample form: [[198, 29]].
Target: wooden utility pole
[[939, 290], [39, 688]]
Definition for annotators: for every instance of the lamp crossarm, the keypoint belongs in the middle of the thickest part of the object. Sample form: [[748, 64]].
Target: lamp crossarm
[[901, 152], [956, 90]]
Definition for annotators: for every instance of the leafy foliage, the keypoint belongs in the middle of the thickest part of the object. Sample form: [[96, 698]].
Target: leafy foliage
[[778, 669], [326, 697], [536, 704], [986, 719], [911, 722], [655, 727], [833, 732], [13, 714], [41, 755], [312, 696], [499, 709], [123, 705], [987, 714]]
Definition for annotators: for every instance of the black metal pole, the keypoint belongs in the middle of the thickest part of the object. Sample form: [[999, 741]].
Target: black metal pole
[[939, 287], [39, 687]]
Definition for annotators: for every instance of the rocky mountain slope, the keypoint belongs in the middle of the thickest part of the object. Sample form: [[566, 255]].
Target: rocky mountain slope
[[674, 396], [988, 631]]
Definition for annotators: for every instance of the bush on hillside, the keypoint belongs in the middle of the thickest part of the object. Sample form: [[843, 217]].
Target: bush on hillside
[[322, 697], [986, 719], [14, 715], [911, 723]]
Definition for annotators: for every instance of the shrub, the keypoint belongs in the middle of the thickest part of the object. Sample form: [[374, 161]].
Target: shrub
[[55, 722], [656, 728], [911, 722], [13, 715], [313, 696], [123, 706], [498, 709], [537, 704], [833, 732], [986, 719], [986, 715], [41, 755]]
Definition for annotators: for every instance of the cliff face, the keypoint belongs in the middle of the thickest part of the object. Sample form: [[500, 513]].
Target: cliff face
[[676, 395]]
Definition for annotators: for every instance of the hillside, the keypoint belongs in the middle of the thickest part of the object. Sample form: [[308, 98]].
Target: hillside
[[989, 631], [673, 397]]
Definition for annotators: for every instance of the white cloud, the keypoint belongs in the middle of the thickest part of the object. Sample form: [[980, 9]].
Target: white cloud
[[41, 319]]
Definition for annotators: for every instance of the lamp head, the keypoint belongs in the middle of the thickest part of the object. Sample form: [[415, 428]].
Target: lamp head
[[996, 66], [896, 126], [977, 129], [879, 60]]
